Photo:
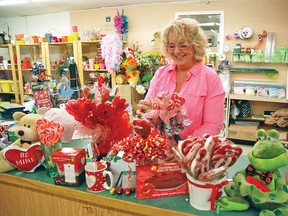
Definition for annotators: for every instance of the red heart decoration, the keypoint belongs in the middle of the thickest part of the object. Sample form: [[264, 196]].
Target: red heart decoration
[[175, 102], [142, 127], [24, 159]]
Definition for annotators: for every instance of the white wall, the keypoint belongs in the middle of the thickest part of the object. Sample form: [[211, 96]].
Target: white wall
[[57, 23]]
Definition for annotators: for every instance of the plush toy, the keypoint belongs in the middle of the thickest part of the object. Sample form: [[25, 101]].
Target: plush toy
[[22, 154], [260, 184]]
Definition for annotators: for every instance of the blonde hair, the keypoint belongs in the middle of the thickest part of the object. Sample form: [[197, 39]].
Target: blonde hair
[[186, 29]]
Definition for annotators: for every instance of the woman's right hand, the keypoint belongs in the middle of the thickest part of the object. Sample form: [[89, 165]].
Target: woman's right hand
[[142, 107]]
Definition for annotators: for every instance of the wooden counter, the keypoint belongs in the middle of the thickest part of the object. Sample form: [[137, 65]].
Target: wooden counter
[[34, 194], [22, 196]]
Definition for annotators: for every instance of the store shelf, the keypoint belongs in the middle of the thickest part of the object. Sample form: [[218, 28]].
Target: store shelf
[[11, 49], [7, 92], [256, 98], [94, 70]]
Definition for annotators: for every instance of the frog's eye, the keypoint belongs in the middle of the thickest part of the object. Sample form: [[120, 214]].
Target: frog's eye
[[272, 139], [261, 137], [261, 134], [273, 135]]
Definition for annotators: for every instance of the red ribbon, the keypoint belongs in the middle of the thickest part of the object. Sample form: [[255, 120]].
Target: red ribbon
[[215, 190]]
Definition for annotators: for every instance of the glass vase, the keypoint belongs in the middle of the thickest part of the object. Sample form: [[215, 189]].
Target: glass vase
[[50, 167]]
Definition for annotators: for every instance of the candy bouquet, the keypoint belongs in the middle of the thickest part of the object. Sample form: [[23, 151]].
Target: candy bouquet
[[145, 146], [168, 115], [100, 114], [153, 134], [206, 160], [50, 134]]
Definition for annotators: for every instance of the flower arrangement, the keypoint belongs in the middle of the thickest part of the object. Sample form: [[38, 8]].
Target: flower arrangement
[[120, 22], [100, 114], [148, 63], [139, 68]]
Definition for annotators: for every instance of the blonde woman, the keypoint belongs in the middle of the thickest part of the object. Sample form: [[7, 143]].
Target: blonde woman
[[183, 43]]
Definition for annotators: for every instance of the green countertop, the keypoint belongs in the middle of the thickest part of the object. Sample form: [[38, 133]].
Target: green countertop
[[176, 203]]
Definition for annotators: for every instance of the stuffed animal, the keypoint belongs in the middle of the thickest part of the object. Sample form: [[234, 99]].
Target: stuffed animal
[[260, 184], [22, 153]]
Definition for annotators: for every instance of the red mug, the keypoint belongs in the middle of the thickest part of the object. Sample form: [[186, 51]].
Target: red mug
[[96, 176]]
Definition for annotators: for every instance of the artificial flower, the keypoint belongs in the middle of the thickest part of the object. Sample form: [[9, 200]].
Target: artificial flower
[[101, 115], [139, 68], [120, 22], [140, 89]]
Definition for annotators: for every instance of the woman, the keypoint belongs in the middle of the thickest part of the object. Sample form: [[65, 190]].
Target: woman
[[183, 43]]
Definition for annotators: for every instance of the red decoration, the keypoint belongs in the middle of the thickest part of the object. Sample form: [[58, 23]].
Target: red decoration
[[146, 150], [206, 158], [101, 115], [142, 127], [25, 159], [50, 133]]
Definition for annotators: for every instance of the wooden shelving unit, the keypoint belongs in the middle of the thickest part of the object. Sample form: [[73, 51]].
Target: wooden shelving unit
[[17, 91]]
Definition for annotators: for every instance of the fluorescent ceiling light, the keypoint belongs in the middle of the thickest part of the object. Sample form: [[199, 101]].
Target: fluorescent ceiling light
[[15, 2]]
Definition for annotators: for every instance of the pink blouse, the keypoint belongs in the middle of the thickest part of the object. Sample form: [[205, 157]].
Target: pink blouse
[[204, 95]]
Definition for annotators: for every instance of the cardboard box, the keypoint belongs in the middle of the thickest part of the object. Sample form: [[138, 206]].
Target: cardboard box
[[70, 163], [242, 132], [161, 180]]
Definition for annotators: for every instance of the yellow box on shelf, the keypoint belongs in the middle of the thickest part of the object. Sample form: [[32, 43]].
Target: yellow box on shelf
[[6, 85]]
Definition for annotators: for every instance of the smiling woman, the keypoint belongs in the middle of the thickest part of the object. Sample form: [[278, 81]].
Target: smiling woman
[[184, 43]]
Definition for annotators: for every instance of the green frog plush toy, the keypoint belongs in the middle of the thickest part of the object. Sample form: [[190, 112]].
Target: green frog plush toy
[[260, 184]]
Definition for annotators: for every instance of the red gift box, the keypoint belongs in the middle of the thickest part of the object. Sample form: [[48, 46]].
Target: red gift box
[[70, 163], [160, 180]]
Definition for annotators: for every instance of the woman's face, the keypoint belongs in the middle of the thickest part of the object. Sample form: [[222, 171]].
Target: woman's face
[[179, 51]]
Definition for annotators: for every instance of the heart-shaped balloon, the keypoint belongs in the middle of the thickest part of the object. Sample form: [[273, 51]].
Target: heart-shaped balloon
[[26, 160]]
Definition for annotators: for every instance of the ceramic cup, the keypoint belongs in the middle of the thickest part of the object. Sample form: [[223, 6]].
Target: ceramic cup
[[96, 177]]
